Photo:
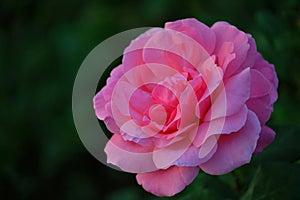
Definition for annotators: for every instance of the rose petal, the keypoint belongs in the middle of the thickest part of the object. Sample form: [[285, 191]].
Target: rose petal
[[191, 157], [132, 56], [165, 157], [212, 76], [196, 30], [225, 54], [251, 54], [111, 82], [223, 125], [169, 41], [139, 103], [259, 84], [262, 107], [104, 96], [234, 150], [99, 106], [129, 156], [111, 125], [232, 97], [266, 137], [208, 148], [269, 73], [228, 33], [167, 182]]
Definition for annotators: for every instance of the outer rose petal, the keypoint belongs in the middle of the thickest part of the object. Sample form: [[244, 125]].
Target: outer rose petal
[[129, 156], [133, 53], [235, 149], [196, 30], [228, 33], [111, 125], [262, 108], [251, 54], [267, 136], [260, 86], [104, 96], [269, 73], [162, 45], [167, 182], [99, 105]]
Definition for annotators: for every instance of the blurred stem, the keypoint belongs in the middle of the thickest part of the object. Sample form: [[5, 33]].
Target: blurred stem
[[236, 180]]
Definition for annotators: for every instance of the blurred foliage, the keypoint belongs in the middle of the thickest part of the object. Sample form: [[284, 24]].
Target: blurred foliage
[[42, 44]]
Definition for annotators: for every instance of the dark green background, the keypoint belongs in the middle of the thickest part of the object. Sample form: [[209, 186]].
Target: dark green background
[[42, 44]]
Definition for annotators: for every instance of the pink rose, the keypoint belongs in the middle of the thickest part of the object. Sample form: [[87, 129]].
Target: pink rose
[[187, 97]]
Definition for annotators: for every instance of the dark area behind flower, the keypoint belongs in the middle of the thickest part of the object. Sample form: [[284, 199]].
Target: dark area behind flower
[[42, 45]]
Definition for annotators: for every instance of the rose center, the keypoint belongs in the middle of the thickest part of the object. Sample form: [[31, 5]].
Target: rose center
[[155, 104]]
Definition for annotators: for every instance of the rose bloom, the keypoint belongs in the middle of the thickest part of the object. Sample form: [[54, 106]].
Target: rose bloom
[[187, 98]]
